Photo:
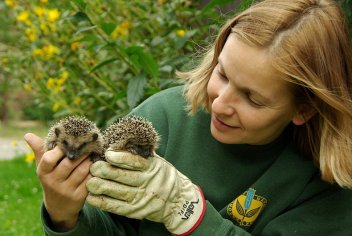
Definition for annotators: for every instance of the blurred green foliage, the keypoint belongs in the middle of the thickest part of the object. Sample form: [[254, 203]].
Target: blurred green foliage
[[347, 7], [101, 58]]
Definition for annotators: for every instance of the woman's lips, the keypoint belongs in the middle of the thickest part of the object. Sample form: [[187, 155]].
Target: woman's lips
[[221, 125]]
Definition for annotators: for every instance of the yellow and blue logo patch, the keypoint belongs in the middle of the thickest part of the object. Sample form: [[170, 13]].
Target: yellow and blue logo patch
[[246, 208]]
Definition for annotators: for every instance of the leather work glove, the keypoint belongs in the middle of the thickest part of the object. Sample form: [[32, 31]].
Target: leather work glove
[[152, 189]]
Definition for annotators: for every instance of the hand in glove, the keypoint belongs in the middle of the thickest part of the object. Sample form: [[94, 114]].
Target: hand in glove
[[152, 189]]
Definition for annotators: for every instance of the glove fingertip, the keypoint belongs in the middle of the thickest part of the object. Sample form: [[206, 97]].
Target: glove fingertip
[[92, 200], [93, 184], [96, 166], [127, 160]]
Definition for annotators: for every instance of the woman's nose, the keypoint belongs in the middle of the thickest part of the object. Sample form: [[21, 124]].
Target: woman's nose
[[224, 103]]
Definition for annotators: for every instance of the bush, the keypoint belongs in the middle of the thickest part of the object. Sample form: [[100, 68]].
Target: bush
[[102, 58]]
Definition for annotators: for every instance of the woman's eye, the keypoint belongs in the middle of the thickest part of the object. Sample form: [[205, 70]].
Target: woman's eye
[[257, 104], [221, 74], [253, 101]]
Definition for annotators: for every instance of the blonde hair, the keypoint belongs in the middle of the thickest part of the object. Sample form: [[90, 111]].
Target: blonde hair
[[310, 46]]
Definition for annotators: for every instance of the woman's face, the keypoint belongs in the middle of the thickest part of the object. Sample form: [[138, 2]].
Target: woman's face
[[249, 102]]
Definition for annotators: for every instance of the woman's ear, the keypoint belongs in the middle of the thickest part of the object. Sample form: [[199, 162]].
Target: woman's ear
[[305, 112]]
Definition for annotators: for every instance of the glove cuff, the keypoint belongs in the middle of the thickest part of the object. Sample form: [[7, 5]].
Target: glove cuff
[[191, 215]]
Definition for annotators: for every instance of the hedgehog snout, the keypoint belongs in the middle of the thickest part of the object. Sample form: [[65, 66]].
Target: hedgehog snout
[[73, 154], [142, 150]]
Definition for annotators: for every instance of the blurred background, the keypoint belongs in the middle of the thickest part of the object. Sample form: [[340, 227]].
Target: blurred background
[[93, 58], [99, 58]]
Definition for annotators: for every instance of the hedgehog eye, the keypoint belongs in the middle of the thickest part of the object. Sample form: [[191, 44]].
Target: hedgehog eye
[[65, 142], [95, 137]]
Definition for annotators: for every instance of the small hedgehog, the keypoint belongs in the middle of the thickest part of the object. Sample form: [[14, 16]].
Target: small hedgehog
[[76, 136], [133, 134]]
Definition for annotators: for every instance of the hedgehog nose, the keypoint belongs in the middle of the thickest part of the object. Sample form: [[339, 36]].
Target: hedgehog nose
[[72, 155], [143, 150]]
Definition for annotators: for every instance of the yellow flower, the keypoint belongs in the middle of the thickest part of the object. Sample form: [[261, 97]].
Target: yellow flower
[[11, 3], [60, 82], [55, 84], [24, 17], [39, 11], [55, 107], [53, 15], [27, 87], [5, 61], [31, 35], [37, 52], [51, 83], [64, 75], [49, 51], [44, 28], [30, 157], [121, 29], [126, 24], [75, 46], [43, 1], [180, 33], [77, 100], [58, 88]]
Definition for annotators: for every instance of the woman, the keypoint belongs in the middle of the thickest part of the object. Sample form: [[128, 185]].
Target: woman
[[266, 149]]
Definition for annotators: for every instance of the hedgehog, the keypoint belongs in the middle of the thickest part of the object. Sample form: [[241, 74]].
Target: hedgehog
[[133, 134], [76, 136]]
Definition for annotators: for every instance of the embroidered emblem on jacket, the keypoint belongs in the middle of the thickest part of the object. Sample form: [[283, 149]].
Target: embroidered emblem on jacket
[[246, 208]]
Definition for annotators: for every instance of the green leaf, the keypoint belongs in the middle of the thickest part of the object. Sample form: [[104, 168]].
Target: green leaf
[[133, 55], [149, 65], [143, 60], [108, 27], [101, 64], [79, 16], [80, 3], [135, 90], [134, 58], [88, 38], [83, 29]]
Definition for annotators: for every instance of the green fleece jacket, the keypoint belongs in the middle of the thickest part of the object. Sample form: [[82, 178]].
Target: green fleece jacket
[[250, 190]]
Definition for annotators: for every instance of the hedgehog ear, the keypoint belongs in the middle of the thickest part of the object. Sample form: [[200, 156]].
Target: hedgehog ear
[[57, 132], [95, 137]]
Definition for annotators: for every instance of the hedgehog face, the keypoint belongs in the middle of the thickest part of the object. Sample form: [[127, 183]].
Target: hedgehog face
[[77, 146], [144, 150], [133, 134]]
